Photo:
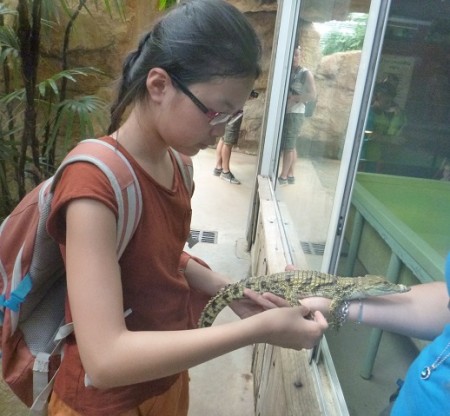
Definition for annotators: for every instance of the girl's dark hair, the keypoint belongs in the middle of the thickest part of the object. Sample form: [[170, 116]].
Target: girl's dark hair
[[195, 41]]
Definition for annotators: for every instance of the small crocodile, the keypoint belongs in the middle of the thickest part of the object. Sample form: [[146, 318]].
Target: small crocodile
[[299, 284]]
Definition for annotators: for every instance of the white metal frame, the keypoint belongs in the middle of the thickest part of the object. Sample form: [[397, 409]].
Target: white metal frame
[[277, 95], [370, 57]]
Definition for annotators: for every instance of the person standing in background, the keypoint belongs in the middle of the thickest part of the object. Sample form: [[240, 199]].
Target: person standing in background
[[302, 89], [383, 143], [223, 152], [225, 146]]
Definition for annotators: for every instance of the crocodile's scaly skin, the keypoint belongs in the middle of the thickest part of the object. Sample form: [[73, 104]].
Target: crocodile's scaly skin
[[299, 284]]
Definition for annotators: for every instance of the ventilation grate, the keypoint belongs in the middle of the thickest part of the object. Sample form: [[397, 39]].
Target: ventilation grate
[[316, 249], [209, 237]]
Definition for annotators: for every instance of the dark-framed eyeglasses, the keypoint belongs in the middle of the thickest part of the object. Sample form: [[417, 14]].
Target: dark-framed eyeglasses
[[214, 117]]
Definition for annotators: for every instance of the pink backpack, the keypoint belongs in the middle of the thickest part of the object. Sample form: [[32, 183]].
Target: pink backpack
[[33, 286]]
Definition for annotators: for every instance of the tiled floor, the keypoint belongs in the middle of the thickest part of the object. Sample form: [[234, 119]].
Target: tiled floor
[[224, 386]]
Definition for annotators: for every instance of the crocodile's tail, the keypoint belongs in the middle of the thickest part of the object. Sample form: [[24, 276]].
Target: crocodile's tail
[[216, 304]]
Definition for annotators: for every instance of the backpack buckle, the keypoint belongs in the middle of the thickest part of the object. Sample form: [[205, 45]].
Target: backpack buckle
[[18, 295]]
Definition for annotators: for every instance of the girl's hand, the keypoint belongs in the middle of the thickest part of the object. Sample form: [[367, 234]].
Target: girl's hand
[[318, 304], [257, 303], [254, 303], [291, 327], [285, 326], [313, 303], [297, 327]]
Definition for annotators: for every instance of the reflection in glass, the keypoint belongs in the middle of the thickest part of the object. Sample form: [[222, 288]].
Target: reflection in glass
[[385, 122], [412, 136], [330, 41], [301, 98]]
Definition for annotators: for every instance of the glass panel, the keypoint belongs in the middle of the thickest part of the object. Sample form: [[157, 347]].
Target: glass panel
[[398, 223], [407, 130], [320, 95]]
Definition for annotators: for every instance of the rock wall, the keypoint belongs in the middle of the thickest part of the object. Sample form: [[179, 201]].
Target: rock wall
[[102, 41], [335, 77]]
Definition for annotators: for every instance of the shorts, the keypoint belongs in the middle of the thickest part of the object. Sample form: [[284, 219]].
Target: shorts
[[232, 131], [291, 129], [173, 402]]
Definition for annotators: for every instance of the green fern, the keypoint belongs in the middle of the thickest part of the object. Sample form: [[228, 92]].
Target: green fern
[[345, 35], [56, 119], [166, 4]]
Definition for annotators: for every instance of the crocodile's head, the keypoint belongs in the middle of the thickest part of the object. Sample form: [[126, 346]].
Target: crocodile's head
[[371, 285]]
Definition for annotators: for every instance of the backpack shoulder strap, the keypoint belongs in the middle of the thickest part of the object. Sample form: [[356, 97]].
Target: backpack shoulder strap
[[186, 168], [122, 178], [38, 249]]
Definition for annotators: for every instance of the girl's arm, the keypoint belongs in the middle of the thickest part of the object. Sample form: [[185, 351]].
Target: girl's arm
[[210, 282], [203, 279], [112, 355]]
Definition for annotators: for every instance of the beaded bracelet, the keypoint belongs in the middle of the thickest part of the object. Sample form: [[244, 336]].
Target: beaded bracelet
[[342, 313]]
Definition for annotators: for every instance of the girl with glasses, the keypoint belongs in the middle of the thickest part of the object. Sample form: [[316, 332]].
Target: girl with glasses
[[189, 76]]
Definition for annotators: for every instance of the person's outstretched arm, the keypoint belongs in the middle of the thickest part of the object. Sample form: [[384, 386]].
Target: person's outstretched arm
[[421, 313]]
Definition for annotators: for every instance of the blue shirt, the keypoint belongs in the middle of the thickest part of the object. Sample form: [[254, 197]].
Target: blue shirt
[[431, 396]]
